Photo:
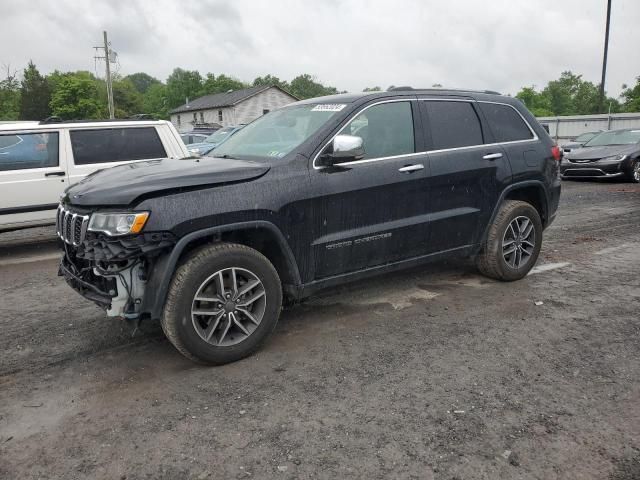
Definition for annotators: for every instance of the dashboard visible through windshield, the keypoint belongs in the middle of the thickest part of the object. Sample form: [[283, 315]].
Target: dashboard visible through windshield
[[277, 133]]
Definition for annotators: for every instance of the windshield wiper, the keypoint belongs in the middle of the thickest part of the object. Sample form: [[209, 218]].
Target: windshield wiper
[[226, 155]]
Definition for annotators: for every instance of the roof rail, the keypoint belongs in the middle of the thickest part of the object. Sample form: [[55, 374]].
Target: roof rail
[[55, 119], [468, 90], [51, 119], [400, 89]]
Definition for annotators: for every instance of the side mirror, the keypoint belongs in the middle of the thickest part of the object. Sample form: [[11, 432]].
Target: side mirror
[[345, 148]]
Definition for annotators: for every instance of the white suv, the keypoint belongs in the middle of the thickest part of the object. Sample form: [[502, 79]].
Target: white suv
[[38, 160]]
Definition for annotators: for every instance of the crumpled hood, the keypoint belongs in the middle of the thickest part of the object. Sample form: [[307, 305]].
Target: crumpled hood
[[587, 153], [122, 185]]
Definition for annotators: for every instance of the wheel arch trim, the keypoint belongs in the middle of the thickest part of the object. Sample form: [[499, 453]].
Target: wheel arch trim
[[165, 267], [511, 188]]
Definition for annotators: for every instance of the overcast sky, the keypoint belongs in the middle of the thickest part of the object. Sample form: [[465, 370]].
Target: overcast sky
[[493, 44]]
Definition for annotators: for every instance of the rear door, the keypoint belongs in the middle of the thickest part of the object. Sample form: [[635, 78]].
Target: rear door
[[97, 148], [466, 172], [516, 137], [373, 211], [32, 176]]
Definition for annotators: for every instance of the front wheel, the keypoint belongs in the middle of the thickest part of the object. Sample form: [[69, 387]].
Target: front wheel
[[513, 242], [224, 301]]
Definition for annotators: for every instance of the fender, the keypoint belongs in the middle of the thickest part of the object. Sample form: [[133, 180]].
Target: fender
[[165, 267], [505, 192]]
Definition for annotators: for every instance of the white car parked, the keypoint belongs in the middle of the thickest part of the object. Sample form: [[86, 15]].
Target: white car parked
[[39, 160]]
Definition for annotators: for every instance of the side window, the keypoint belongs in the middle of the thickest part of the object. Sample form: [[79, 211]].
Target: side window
[[453, 124], [19, 151], [505, 123], [386, 129], [115, 145]]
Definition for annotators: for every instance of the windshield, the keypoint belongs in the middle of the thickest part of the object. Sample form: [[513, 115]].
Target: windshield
[[277, 133], [615, 137], [585, 137], [219, 135]]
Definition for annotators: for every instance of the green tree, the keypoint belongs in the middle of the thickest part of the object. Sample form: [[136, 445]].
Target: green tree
[[9, 96], [183, 84], [631, 97], [127, 100], [154, 101], [568, 95], [535, 102], [221, 83], [34, 95], [142, 81], [76, 96], [306, 86], [271, 80], [372, 89]]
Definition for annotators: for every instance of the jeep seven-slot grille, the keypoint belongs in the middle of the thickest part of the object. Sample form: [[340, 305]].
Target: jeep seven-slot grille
[[71, 227]]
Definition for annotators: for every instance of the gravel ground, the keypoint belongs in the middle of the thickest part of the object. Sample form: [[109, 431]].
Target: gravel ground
[[432, 373]]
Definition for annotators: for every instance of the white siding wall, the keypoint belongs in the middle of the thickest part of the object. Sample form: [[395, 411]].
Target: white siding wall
[[569, 127], [252, 107], [244, 112]]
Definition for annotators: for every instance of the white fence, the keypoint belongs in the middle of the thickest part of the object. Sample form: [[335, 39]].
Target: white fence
[[567, 128]]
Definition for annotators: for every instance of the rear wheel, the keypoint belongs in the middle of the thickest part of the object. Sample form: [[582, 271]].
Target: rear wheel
[[634, 173], [513, 243], [223, 302]]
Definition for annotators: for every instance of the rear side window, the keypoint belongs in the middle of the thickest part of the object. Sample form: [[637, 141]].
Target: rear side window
[[115, 145], [20, 151], [386, 130], [505, 123], [453, 124]]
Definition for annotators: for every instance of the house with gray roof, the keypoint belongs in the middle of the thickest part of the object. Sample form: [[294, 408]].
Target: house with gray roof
[[235, 107]]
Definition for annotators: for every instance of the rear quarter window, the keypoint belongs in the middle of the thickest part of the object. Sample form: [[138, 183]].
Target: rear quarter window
[[115, 145], [505, 122]]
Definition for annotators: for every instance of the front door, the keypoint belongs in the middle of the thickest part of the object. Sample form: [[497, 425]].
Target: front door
[[373, 211], [32, 177], [466, 173]]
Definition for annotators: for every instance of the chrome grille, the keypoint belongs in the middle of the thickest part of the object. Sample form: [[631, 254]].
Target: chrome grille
[[71, 227]]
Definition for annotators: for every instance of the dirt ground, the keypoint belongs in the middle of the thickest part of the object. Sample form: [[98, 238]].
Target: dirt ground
[[433, 373]]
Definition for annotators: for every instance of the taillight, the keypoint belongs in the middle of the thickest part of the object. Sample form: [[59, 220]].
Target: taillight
[[556, 153]]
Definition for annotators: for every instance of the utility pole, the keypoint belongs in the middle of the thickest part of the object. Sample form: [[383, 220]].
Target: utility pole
[[109, 55], [604, 58]]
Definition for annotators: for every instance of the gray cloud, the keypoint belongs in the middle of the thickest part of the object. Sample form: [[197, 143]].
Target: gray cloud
[[501, 45]]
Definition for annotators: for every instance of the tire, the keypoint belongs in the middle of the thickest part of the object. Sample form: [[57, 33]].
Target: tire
[[493, 260], [199, 276], [634, 172]]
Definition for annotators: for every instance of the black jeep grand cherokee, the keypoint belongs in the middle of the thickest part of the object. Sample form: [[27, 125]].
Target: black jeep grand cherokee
[[312, 195]]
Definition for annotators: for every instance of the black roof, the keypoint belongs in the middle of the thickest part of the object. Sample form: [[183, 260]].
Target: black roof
[[400, 91], [226, 99]]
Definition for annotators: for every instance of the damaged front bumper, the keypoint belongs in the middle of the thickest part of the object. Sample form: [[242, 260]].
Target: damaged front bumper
[[113, 272]]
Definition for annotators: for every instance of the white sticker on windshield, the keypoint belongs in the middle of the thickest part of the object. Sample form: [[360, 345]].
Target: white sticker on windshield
[[329, 107]]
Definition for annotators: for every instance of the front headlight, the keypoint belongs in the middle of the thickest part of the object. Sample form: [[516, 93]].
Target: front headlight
[[114, 224], [613, 158]]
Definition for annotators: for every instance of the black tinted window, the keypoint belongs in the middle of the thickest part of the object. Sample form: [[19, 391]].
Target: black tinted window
[[28, 150], [115, 145], [505, 123], [453, 124], [386, 129]]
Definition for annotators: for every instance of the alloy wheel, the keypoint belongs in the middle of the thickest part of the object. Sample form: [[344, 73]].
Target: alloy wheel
[[228, 307], [519, 242]]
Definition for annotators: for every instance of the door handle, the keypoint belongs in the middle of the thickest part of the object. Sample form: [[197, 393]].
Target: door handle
[[411, 168], [492, 156], [55, 174]]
